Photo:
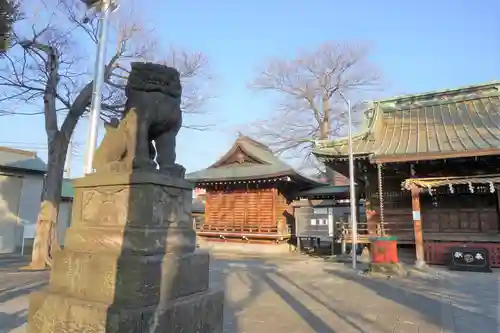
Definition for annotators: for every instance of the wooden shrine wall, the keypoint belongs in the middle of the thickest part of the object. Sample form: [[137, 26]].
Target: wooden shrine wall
[[443, 212], [396, 208], [255, 207], [460, 212]]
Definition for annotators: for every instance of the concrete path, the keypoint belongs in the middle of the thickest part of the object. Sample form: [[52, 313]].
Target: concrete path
[[302, 295]]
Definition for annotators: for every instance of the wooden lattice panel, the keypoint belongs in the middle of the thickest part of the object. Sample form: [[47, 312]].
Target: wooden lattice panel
[[240, 208]]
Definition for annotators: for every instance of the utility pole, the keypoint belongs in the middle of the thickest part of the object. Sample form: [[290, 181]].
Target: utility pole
[[352, 187], [104, 7]]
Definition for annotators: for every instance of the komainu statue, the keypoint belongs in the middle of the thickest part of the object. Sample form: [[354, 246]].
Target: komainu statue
[[152, 114]]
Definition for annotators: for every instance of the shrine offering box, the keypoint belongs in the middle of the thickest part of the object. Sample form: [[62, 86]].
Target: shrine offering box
[[472, 259]]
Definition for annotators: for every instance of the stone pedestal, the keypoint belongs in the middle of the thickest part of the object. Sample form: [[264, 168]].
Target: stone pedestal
[[392, 269], [129, 263]]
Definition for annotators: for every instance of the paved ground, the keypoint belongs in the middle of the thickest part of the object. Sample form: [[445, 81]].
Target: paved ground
[[309, 295]]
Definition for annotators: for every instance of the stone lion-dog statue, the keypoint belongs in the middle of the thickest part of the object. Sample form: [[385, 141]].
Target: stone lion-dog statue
[[152, 114]]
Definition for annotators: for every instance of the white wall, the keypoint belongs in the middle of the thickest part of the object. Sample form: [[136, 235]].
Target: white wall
[[19, 206], [10, 195], [29, 206]]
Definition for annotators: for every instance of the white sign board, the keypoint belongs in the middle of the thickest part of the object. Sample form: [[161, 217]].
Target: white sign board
[[416, 215], [320, 211], [330, 222]]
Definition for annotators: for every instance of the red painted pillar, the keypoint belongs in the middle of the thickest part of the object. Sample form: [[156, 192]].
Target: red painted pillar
[[417, 226]]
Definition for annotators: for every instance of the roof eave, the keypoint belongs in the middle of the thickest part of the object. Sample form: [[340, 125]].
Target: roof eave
[[297, 177], [244, 178], [22, 169], [292, 174], [339, 156], [432, 156], [361, 135]]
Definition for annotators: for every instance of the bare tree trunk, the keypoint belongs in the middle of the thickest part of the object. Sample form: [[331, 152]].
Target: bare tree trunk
[[46, 230]]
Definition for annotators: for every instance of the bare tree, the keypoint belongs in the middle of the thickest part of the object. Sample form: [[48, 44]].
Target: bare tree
[[9, 14], [48, 73], [310, 87]]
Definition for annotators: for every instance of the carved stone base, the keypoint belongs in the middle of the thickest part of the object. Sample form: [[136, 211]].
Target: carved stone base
[[51, 312], [129, 265]]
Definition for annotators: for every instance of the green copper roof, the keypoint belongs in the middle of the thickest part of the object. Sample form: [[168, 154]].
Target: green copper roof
[[326, 191], [443, 124], [21, 159], [257, 162]]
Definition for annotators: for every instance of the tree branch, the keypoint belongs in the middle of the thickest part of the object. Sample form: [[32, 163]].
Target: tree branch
[[308, 88]]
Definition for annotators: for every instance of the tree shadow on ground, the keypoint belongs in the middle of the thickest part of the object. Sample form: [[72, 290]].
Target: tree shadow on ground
[[438, 310], [11, 321], [314, 321], [352, 319], [267, 277], [13, 262], [14, 292], [233, 272]]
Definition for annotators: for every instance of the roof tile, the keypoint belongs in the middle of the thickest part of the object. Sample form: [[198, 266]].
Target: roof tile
[[455, 123]]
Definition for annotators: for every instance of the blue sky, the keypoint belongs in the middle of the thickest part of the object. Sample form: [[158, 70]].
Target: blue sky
[[418, 45]]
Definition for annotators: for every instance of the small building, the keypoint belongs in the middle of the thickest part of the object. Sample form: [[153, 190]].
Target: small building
[[322, 214], [428, 168], [248, 194], [21, 182], [22, 175]]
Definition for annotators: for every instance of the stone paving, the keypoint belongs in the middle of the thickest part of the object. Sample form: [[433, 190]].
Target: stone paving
[[302, 295]]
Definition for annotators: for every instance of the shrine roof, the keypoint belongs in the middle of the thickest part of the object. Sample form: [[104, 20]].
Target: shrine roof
[[248, 159], [460, 122], [330, 190], [21, 160]]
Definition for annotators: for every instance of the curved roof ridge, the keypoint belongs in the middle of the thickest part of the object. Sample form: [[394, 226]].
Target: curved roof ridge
[[248, 139], [369, 122], [495, 84]]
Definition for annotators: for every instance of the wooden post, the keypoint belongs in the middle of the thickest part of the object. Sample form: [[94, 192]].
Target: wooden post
[[275, 221], [344, 235], [417, 226], [497, 190], [297, 238], [208, 203]]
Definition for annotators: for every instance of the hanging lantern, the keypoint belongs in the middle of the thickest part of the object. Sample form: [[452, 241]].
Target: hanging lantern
[[431, 191], [492, 187], [434, 201], [450, 187], [471, 188], [412, 170]]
